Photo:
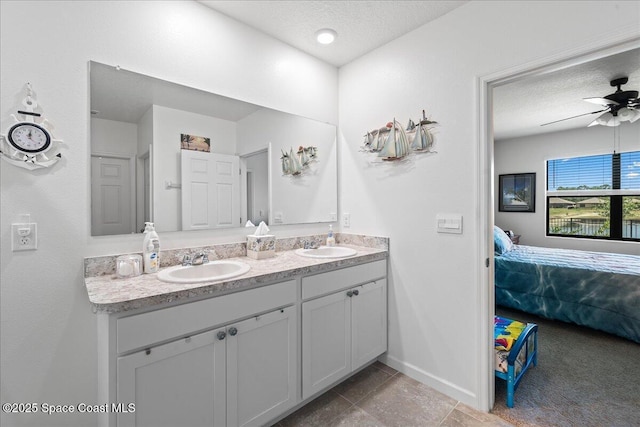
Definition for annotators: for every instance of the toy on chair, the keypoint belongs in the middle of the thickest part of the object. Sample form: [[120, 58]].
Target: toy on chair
[[516, 346]]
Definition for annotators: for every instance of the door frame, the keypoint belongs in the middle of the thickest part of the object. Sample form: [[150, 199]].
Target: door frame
[[604, 47]]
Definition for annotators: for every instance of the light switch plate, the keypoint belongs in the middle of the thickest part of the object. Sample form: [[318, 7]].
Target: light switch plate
[[449, 223]]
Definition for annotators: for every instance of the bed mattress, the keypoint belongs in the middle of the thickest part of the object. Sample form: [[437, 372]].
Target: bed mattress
[[595, 289]]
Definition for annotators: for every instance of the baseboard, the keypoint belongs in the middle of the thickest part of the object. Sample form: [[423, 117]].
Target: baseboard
[[443, 386]]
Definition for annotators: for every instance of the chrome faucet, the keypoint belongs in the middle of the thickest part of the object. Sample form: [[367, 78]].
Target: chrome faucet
[[191, 259], [310, 245], [203, 256]]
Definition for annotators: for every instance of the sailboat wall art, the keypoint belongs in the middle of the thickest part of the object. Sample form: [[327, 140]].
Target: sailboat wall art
[[393, 142], [296, 163]]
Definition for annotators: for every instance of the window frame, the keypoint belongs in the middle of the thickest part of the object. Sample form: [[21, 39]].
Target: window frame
[[615, 196]]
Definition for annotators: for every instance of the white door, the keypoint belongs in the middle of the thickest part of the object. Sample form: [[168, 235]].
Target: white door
[[111, 196], [261, 368], [210, 190], [368, 322], [326, 341], [181, 383]]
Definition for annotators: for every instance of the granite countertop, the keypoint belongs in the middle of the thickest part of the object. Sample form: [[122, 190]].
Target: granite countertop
[[110, 294]]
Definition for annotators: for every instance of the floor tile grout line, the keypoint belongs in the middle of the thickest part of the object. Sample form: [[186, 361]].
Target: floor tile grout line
[[371, 415], [342, 412], [355, 404], [449, 413], [372, 390]]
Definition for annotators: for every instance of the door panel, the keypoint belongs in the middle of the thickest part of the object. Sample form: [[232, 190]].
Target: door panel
[[369, 322], [326, 341], [111, 208], [179, 383], [210, 190], [261, 368]]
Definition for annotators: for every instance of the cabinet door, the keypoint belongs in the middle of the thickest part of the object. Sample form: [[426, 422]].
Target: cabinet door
[[326, 341], [181, 383], [261, 367], [368, 322]]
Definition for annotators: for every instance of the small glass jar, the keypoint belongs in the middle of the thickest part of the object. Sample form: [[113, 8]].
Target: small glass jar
[[128, 266]]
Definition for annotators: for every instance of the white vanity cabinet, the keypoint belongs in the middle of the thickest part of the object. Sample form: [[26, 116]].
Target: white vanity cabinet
[[179, 383], [344, 323], [235, 374], [243, 358]]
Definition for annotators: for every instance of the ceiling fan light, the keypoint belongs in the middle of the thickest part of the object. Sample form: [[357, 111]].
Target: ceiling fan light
[[604, 119], [613, 121], [626, 114]]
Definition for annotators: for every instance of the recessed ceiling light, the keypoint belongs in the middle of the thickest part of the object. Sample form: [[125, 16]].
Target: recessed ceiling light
[[326, 36]]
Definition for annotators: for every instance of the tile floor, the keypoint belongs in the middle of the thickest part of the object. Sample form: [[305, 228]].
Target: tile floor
[[380, 396]]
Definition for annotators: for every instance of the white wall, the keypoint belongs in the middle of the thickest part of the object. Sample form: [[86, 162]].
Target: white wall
[[47, 338], [168, 125], [435, 285], [113, 137], [529, 154]]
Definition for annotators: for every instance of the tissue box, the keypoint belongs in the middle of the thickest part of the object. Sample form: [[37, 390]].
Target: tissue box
[[260, 247]]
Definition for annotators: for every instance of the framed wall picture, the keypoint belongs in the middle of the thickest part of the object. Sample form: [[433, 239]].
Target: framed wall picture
[[517, 192], [195, 143]]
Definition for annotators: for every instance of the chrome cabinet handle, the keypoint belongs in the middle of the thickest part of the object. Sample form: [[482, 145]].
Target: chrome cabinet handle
[[233, 331], [356, 292], [221, 335], [349, 294]]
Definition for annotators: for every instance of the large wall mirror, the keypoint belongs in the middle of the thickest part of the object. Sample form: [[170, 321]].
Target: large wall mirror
[[186, 159]]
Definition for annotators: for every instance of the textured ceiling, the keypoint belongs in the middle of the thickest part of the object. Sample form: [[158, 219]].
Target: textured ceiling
[[362, 26], [521, 107]]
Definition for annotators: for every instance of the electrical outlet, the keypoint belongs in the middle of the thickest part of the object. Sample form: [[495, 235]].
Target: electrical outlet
[[24, 236], [346, 220], [333, 216]]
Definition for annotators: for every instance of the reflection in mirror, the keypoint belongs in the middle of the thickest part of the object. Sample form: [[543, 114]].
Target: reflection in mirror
[[255, 189], [140, 171]]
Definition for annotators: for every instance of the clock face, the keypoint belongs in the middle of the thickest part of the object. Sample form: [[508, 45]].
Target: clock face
[[29, 138]]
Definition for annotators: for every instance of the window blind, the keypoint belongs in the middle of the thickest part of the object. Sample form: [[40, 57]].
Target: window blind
[[580, 173]]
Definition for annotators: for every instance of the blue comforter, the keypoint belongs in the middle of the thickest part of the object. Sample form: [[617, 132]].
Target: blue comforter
[[599, 290]]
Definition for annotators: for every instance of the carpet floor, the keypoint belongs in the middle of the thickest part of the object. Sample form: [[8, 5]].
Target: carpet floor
[[583, 378]]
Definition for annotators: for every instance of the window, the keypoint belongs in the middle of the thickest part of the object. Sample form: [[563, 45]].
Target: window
[[594, 196]]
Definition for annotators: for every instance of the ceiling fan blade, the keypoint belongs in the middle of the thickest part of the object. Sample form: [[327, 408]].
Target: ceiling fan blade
[[573, 117], [600, 101]]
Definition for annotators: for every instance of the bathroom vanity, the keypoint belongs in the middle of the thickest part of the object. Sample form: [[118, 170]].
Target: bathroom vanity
[[245, 351]]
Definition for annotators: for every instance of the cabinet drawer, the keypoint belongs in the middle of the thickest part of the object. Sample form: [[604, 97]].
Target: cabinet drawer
[[148, 328], [324, 283]]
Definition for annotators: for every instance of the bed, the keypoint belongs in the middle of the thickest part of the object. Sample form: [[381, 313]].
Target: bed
[[516, 347], [594, 289]]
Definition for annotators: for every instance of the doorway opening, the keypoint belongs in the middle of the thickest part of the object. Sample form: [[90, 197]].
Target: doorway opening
[[487, 188]]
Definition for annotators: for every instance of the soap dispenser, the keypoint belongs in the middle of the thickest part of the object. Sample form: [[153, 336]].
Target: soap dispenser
[[331, 241], [150, 249]]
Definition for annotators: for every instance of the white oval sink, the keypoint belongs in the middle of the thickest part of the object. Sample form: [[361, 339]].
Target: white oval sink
[[209, 272], [327, 252]]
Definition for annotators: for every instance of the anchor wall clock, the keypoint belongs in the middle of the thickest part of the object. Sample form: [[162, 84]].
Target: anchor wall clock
[[29, 144]]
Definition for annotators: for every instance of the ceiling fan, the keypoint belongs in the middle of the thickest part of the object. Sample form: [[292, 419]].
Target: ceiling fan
[[620, 106]]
